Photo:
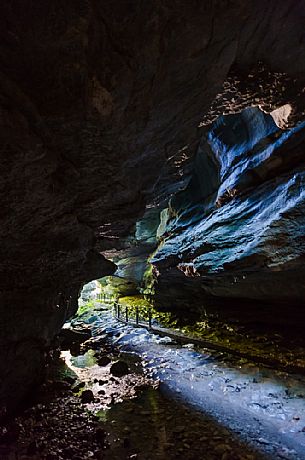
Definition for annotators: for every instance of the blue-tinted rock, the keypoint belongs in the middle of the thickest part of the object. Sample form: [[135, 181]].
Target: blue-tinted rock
[[238, 230]]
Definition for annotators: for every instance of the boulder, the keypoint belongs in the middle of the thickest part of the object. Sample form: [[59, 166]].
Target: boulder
[[119, 369], [87, 396], [69, 338]]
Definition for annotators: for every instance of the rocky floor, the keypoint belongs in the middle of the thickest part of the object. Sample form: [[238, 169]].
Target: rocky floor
[[99, 413], [132, 395], [147, 427]]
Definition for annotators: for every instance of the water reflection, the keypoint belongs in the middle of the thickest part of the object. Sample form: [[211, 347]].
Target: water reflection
[[244, 396], [153, 427], [83, 361]]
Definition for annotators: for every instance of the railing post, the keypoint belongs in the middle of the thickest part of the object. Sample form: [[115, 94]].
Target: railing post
[[137, 315], [126, 314], [149, 318], [119, 311]]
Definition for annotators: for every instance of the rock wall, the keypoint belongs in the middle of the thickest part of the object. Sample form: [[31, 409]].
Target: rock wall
[[236, 233], [102, 107]]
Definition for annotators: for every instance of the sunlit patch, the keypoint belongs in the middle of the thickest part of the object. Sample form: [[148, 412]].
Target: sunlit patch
[[241, 395], [106, 388], [281, 115]]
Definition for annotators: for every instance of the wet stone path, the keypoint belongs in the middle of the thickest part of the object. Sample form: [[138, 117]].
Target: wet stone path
[[161, 401], [124, 422]]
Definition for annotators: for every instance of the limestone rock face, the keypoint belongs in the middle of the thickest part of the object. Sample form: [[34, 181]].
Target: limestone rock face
[[100, 108], [237, 230]]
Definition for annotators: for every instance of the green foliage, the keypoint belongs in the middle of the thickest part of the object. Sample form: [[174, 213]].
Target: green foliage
[[144, 306], [134, 301], [85, 307]]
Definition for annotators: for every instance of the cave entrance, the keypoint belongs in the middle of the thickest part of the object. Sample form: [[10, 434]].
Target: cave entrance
[[125, 364]]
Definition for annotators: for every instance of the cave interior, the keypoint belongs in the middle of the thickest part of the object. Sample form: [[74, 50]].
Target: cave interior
[[153, 157]]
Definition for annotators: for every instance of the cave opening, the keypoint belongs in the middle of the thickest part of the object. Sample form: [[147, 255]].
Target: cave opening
[[152, 219]]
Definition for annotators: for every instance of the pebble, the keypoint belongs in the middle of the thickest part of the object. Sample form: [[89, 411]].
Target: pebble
[[103, 361], [119, 369], [78, 387], [169, 445], [221, 448], [87, 396], [126, 442], [264, 441]]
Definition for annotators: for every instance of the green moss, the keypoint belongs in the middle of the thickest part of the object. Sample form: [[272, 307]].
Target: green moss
[[233, 336], [249, 342], [84, 361], [113, 287], [148, 280], [134, 301], [138, 302]]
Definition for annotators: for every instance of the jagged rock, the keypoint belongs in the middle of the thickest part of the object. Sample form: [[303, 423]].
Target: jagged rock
[[239, 234], [119, 369]]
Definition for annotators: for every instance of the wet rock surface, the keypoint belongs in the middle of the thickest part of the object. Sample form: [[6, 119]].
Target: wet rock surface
[[69, 338], [159, 409], [233, 242], [155, 427], [146, 425], [262, 405], [99, 119]]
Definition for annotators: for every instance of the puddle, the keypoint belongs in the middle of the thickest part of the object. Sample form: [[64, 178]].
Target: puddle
[[155, 427]]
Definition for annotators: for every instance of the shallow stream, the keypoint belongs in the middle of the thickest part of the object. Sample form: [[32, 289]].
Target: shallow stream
[[262, 406]]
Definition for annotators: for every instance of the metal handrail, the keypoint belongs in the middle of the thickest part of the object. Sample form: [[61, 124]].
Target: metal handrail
[[118, 314], [104, 298], [182, 338]]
